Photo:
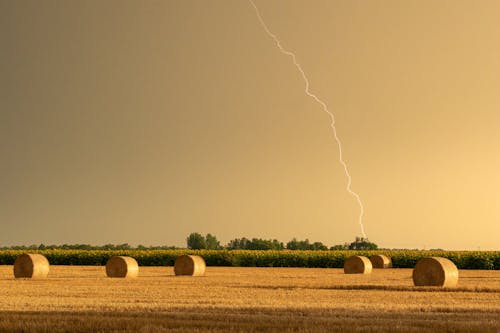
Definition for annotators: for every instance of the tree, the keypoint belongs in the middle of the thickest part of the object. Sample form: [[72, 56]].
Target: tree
[[295, 244], [340, 247], [238, 244], [277, 245], [124, 246], [211, 242], [361, 243], [254, 244], [318, 246], [196, 241], [264, 244]]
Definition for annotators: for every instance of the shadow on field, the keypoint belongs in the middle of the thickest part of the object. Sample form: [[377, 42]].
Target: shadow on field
[[378, 287], [227, 319]]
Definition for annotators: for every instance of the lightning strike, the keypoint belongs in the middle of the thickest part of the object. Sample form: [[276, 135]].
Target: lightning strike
[[325, 109]]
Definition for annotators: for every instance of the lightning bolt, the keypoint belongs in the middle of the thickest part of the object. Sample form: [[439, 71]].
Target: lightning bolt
[[325, 109]]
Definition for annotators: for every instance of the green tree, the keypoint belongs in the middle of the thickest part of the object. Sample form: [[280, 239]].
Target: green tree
[[264, 244], [254, 244], [318, 246], [295, 244], [211, 242], [196, 241], [340, 247], [277, 245], [361, 243], [238, 244]]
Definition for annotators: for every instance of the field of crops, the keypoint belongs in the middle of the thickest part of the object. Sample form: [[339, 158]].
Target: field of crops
[[489, 260]]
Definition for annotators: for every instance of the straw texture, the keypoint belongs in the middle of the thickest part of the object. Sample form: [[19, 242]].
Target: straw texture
[[189, 265], [31, 266], [357, 265], [122, 267], [435, 271], [381, 261]]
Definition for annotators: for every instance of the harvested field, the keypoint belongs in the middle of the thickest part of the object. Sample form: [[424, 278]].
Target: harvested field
[[83, 299]]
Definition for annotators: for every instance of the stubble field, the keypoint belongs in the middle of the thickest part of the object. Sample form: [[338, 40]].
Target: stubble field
[[237, 299]]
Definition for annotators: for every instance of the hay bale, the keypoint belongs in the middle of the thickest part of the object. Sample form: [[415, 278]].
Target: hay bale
[[189, 265], [357, 265], [122, 267], [435, 271], [31, 266], [381, 261]]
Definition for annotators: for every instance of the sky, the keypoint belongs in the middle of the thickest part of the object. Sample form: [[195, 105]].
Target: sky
[[140, 122]]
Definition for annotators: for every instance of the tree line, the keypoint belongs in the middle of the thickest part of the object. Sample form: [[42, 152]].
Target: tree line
[[124, 246], [197, 241]]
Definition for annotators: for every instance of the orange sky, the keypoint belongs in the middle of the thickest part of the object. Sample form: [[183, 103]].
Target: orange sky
[[140, 122]]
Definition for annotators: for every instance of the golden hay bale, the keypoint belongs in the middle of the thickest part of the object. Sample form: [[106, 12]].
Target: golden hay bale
[[357, 265], [381, 261], [435, 271], [31, 266], [189, 265], [122, 267]]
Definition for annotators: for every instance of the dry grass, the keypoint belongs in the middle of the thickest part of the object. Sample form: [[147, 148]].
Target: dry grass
[[83, 299], [435, 271], [31, 266], [122, 267], [357, 265], [190, 265], [381, 261]]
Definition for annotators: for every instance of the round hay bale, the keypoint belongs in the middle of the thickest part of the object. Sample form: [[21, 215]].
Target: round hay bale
[[31, 266], [357, 265], [435, 271], [122, 267], [381, 261], [189, 265]]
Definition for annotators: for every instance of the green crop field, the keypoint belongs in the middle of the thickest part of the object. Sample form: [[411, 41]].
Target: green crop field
[[255, 258]]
